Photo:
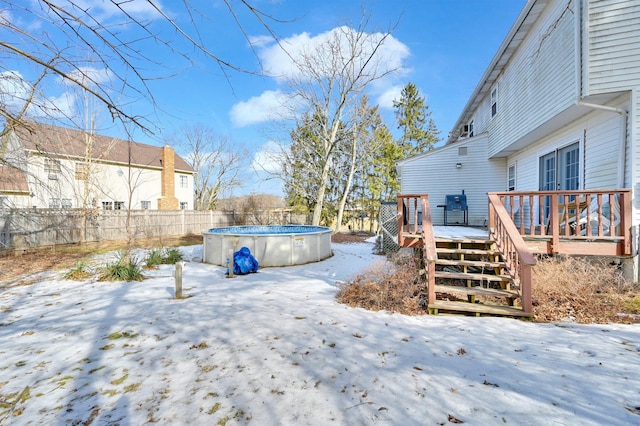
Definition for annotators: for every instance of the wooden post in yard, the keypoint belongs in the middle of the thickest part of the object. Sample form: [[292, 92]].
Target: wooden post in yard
[[231, 263], [178, 276]]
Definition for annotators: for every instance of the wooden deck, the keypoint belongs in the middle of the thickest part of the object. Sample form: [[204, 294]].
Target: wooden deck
[[497, 260], [460, 233]]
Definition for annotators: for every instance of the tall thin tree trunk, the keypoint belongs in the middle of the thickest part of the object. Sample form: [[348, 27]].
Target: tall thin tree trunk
[[347, 187], [317, 210]]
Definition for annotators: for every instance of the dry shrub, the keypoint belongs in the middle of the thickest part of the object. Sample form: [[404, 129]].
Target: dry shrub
[[394, 287], [570, 289], [578, 290]]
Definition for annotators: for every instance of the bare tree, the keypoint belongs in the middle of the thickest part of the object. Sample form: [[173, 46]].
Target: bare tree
[[355, 152], [329, 80], [218, 162], [68, 40]]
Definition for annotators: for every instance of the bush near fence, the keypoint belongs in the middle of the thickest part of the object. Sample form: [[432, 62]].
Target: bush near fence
[[49, 227]]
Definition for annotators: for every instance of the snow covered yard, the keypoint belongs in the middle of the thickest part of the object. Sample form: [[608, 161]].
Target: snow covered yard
[[275, 348]]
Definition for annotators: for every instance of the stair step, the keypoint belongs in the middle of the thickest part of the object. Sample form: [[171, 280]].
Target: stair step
[[470, 241], [467, 251], [477, 307], [476, 263], [470, 276], [476, 291]]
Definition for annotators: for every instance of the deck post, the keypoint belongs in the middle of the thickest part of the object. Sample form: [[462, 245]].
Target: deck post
[[525, 288], [554, 224]]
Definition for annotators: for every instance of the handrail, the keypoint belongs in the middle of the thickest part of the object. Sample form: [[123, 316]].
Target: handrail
[[408, 220], [514, 250], [572, 215]]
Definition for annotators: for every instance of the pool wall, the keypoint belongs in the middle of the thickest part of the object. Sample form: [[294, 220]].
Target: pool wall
[[270, 245]]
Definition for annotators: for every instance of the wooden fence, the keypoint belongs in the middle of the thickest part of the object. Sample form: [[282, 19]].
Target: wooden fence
[[49, 227]]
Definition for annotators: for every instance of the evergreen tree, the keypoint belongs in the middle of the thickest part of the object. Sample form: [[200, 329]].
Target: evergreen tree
[[419, 132]]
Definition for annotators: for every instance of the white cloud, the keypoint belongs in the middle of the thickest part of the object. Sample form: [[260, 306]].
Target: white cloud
[[386, 98], [279, 60], [258, 109], [14, 89], [90, 76], [109, 9], [268, 159]]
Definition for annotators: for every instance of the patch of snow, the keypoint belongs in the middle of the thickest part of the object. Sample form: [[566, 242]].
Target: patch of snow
[[276, 348]]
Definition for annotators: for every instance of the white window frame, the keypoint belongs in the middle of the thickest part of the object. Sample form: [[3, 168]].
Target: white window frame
[[145, 205], [494, 102], [184, 205], [52, 165], [82, 171], [107, 205], [511, 179], [184, 181], [118, 205]]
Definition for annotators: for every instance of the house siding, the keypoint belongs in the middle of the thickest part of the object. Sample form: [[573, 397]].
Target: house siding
[[540, 81], [436, 174], [107, 179], [633, 170], [612, 47], [598, 132]]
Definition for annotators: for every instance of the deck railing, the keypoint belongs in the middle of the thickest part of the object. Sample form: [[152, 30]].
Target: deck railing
[[514, 250], [565, 219], [415, 229]]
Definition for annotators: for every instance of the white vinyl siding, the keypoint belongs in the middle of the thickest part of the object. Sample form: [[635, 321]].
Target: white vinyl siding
[[601, 153], [612, 47], [436, 173], [632, 175], [540, 81], [598, 133]]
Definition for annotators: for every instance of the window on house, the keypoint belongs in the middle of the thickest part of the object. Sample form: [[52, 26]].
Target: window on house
[[184, 181], [145, 205], [184, 205], [511, 178], [118, 205], [54, 203], [51, 165], [107, 205], [494, 102], [82, 171], [65, 203], [471, 128]]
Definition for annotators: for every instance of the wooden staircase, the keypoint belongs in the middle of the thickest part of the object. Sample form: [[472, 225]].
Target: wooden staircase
[[491, 276], [471, 276]]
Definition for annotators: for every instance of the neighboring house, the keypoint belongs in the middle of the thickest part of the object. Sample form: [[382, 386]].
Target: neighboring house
[[46, 166], [557, 109]]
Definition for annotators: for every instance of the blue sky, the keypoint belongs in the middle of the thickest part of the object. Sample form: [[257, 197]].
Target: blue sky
[[442, 46]]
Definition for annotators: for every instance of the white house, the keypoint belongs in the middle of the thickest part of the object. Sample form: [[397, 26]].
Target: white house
[[45, 166], [558, 108]]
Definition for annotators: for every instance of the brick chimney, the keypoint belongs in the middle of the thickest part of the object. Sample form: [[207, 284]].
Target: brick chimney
[[168, 200]]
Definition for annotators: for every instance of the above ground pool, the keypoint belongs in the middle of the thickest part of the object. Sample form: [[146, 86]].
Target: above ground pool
[[283, 245]]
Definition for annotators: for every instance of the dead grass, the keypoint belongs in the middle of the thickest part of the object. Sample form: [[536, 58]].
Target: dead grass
[[350, 237], [564, 290], [581, 291], [394, 289], [23, 270]]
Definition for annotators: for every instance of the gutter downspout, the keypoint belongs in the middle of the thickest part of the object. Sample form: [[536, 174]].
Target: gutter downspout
[[622, 149]]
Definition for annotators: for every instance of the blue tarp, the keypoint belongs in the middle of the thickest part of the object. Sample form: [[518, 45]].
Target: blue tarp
[[244, 262]]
